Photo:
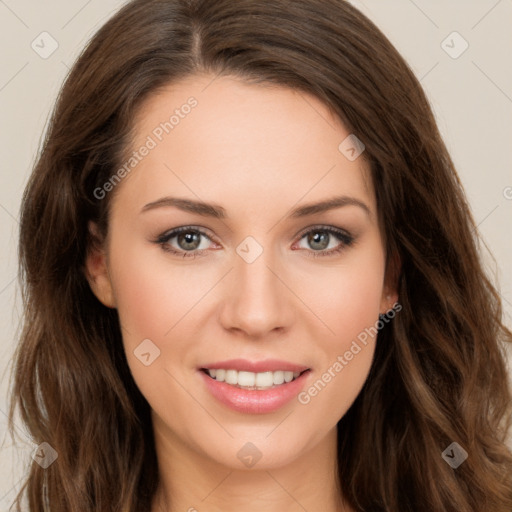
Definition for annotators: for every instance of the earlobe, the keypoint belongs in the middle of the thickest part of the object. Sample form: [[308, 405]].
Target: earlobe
[[389, 299], [390, 292], [96, 269]]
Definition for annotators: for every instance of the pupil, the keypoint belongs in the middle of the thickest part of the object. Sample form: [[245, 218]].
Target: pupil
[[318, 240], [188, 240]]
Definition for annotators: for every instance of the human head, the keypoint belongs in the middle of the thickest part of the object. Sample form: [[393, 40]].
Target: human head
[[426, 228]]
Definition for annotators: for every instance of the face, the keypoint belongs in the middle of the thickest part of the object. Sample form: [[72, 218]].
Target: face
[[244, 250]]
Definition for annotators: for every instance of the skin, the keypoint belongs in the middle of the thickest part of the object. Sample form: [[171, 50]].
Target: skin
[[257, 151]]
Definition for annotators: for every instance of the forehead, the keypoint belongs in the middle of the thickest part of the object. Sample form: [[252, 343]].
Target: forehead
[[256, 145]]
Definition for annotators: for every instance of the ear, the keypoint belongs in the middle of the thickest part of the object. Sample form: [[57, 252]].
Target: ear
[[390, 291], [96, 268]]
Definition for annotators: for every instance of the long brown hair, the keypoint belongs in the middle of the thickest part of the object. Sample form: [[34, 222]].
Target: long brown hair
[[438, 374]]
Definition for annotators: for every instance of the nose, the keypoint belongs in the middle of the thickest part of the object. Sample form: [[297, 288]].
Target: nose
[[257, 301]]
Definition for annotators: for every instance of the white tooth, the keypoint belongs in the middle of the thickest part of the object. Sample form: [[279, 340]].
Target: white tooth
[[231, 377], [250, 380], [264, 379], [246, 379], [278, 377]]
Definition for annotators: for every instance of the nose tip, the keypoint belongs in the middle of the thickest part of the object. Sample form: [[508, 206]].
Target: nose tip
[[256, 302]]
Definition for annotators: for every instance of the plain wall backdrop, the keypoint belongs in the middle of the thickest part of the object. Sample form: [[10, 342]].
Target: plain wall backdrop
[[459, 49]]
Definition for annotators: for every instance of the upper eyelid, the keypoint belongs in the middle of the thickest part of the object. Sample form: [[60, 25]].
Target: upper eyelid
[[171, 233], [320, 227]]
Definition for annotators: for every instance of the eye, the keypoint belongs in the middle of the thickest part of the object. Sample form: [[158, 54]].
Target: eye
[[190, 242], [185, 241], [325, 241]]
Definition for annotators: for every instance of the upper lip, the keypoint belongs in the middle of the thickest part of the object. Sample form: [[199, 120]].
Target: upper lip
[[267, 365]]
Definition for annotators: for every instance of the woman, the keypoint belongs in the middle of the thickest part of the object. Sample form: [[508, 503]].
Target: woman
[[251, 277]]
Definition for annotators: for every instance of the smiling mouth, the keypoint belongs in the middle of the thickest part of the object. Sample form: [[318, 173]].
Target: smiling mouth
[[253, 381]]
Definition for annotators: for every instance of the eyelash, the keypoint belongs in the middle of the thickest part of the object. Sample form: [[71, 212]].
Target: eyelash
[[344, 237]]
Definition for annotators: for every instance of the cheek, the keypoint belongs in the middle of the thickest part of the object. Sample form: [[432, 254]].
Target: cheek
[[346, 297], [160, 300], [155, 301], [152, 295], [348, 302]]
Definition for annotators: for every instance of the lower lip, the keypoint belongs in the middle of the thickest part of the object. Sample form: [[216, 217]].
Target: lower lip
[[253, 401]]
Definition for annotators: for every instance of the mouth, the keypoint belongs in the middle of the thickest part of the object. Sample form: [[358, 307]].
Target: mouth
[[260, 381], [254, 387]]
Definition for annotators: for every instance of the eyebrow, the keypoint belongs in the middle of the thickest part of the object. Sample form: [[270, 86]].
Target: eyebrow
[[218, 212]]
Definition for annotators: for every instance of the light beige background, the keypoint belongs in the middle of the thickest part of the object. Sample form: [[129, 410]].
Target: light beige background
[[471, 96]]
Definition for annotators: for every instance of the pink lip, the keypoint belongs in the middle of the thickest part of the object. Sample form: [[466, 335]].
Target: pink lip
[[253, 401], [268, 365]]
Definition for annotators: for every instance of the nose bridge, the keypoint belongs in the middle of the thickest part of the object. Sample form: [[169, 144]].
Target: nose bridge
[[257, 302]]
